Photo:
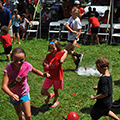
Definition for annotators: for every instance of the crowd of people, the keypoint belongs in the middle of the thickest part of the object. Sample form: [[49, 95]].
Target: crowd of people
[[15, 74]]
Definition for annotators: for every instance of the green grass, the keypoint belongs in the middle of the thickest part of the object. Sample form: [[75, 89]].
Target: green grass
[[36, 51]]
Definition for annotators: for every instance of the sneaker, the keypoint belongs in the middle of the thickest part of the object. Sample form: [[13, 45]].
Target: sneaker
[[7, 60], [23, 116], [116, 103], [79, 59]]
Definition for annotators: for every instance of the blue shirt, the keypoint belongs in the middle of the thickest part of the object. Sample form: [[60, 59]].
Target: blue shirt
[[10, 6], [5, 17]]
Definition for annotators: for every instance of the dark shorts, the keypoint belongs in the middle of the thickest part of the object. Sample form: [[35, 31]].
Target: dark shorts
[[7, 50], [96, 113], [70, 41], [15, 29], [95, 30]]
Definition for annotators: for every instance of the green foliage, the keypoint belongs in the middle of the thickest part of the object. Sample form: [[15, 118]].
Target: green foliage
[[81, 86]]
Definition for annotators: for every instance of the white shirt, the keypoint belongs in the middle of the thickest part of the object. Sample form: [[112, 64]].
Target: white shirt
[[75, 25]]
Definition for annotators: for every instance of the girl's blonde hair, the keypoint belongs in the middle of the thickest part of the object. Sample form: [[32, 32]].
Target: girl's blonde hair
[[102, 62], [56, 43], [77, 11]]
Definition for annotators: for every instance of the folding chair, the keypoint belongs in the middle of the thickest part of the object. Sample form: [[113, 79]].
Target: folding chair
[[54, 30], [115, 34], [32, 28], [64, 31]]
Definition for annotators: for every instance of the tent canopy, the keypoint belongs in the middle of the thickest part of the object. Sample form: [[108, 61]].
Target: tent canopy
[[105, 2]]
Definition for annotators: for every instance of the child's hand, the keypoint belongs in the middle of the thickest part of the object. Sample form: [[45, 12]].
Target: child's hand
[[95, 88], [92, 97], [46, 74], [15, 98], [74, 32]]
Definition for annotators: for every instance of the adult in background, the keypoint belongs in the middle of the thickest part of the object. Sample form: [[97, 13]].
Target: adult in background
[[21, 7], [29, 16], [66, 7], [5, 18], [9, 5], [30, 7], [77, 5]]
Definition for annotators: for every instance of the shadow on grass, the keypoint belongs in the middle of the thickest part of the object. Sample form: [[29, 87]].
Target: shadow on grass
[[86, 109], [116, 110], [44, 108], [117, 82], [68, 70]]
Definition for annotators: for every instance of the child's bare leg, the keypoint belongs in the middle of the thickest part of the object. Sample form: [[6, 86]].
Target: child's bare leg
[[56, 95], [92, 38], [18, 37], [112, 115], [97, 39], [27, 110], [8, 57], [69, 46], [23, 35], [45, 92], [14, 38], [18, 110]]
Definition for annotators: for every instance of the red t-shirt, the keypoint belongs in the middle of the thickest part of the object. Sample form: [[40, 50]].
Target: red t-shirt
[[94, 21], [55, 69], [6, 40]]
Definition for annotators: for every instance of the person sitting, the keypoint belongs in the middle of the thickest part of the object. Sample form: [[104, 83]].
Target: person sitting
[[46, 15], [104, 19], [46, 18]]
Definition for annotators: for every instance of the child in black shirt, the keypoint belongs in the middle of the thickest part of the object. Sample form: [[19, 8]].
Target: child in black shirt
[[104, 92]]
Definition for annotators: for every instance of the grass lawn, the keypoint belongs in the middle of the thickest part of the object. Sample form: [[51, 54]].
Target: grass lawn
[[81, 86]]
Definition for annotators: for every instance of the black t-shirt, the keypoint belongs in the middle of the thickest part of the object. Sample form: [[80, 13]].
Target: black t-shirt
[[105, 88]]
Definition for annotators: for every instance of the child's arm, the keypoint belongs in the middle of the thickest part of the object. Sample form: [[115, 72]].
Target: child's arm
[[20, 18], [99, 96], [27, 20], [45, 63], [68, 27], [64, 56], [7, 90], [38, 72]]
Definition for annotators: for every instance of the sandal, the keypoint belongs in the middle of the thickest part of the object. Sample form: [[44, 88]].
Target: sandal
[[54, 104], [14, 42], [47, 99], [19, 42]]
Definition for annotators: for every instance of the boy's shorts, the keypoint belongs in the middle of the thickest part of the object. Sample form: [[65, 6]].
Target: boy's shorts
[[15, 29], [95, 30], [22, 99], [7, 50], [57, 84], [96, 113]]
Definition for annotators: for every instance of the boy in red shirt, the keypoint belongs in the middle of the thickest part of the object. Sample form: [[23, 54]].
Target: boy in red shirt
[[5, 38], [94, 26]]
